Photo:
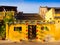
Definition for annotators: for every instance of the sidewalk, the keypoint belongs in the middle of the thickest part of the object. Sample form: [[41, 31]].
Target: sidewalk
[[8, 41], [5, 41]]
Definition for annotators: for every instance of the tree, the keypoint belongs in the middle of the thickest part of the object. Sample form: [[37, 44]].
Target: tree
[[8, 19]]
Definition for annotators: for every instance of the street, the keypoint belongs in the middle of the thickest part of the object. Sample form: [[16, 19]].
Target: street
[[30, 43]]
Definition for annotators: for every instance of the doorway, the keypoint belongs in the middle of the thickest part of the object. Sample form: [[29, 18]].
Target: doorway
[[31, 32]]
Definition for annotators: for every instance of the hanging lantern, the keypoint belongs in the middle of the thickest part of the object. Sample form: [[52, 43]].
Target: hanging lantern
[[46, 28], [36, 30], [26, 33], [26, 30], [26, 23], [36, 37], [27, 37]]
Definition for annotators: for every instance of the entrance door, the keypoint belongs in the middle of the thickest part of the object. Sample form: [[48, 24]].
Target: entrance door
[[31, 32]]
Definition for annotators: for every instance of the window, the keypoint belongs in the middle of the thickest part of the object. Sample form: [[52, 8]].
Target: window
[[17, 28]]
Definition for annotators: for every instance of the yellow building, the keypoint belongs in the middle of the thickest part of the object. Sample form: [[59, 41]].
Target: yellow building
[[43, 26], [52, 14]]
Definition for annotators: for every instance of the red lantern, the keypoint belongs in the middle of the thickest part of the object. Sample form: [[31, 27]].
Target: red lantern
[[27, 37], [36, 30], [26, 30], [36, 37], [26, 23], [43, 40]]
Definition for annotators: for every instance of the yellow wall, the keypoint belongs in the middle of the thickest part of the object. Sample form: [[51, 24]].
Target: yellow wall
[[57, 27], [42, 33], [54, 31], [49, 15], [15, 35], [57, 14], [57, 31]]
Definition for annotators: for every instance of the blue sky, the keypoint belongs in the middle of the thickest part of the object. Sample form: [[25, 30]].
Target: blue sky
[[30, 6]]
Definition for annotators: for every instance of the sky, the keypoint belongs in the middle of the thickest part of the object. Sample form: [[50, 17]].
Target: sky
[[30, 6]]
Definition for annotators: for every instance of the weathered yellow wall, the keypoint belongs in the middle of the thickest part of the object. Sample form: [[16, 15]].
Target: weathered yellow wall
[[57, 31], [57, 27], [54, 31], [57, 14], [41, 34], [50, 15], [15, 35]]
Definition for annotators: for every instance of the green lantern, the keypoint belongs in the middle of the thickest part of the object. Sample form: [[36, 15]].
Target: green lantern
[[44, 28]]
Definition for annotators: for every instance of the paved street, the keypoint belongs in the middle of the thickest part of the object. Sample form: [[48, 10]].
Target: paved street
[[30, 43]]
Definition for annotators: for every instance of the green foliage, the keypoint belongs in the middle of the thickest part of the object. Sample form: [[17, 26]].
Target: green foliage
[[2, 31], [5, 20], [46, 28], [9, 20]]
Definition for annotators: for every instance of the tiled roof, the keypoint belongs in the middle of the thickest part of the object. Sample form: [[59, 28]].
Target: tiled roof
[[57, 17], [9, 6], [28, 16]]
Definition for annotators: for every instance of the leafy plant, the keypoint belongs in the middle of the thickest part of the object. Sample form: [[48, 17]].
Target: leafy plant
[[6, 20], [2, 31]]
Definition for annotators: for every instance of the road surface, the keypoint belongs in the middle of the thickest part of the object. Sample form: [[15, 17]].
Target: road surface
[[30, 43]]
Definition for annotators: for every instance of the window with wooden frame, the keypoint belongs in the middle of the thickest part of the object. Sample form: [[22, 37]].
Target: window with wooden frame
[[17, 28]]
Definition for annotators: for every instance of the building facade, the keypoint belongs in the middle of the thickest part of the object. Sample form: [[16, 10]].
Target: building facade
[[43, 26]]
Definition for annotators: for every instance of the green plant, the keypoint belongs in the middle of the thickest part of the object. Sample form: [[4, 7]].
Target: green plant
[[8, 21], [2, 31]]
